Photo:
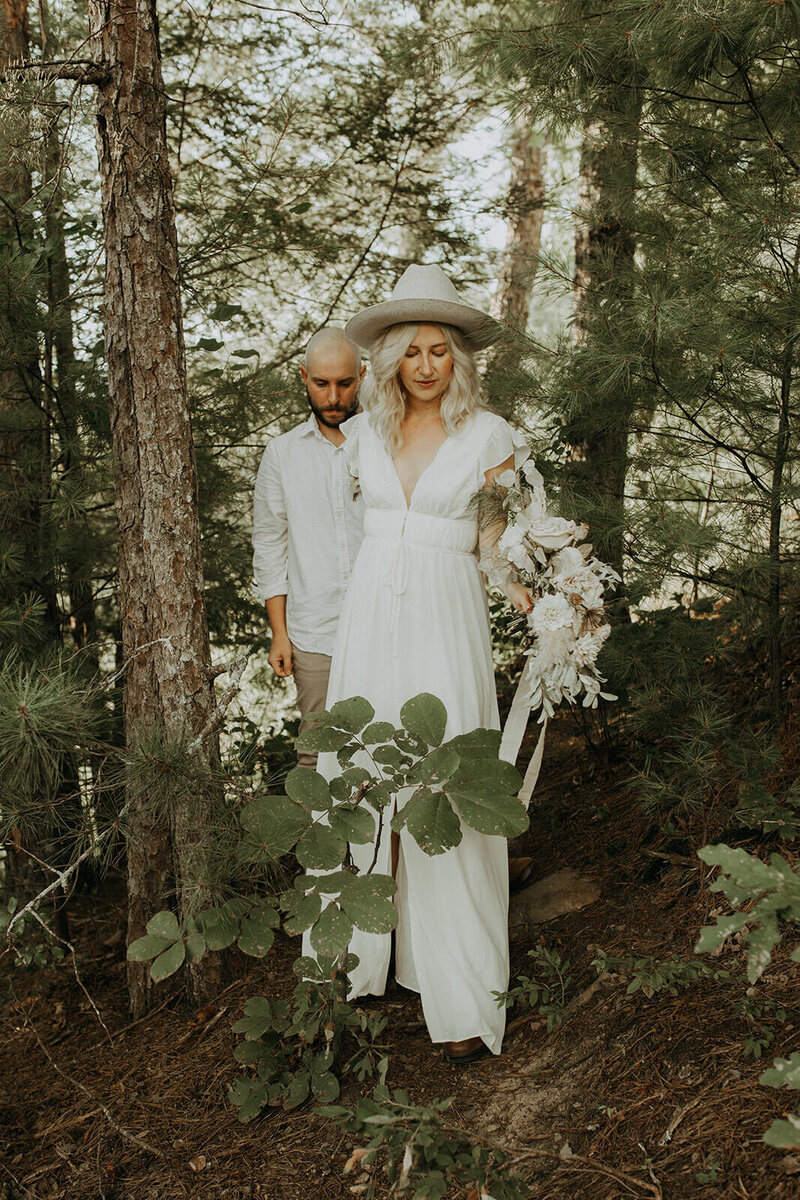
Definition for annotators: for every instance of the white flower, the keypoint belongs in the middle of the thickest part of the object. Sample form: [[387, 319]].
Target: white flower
[[568, 561], [511, 545], [551, 612], [506, 479], [589, 645], [551, 532]]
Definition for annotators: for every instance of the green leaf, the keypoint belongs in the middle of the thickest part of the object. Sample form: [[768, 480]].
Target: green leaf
[[302, 208], [436, 767], [352, 714], [378, 795], [308, 788], [147, 947], [354, 824], [478, 743], [368, 905], [426, 717], [306, 967], [322, 739], [275, 823], [219, 928], [480, 791], [332, 932], [164, 925], [356, 777], [258, 931], [208, 344], [297, 1091], [325, 1086], [305, 911], [784, 1072], [245, 353], [379, 731], [784, 1134], [389, 754], [195, 947], [430, 820], [321, 848], [224, 312], [249, 1096], [168, 961], [257, 1020]]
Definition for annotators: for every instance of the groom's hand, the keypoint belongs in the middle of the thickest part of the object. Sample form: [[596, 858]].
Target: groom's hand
[[280, 656]]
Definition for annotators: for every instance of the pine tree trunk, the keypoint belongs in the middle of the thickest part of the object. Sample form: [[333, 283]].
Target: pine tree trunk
[[604, 259], [164, 627], [61, 346], [526, 194]]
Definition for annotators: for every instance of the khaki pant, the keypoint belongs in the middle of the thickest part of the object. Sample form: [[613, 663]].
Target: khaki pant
[[311, 672]]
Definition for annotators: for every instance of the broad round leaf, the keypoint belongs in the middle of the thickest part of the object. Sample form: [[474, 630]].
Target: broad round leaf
[[258, 931], [322, 739], [488, 811], [164, 925], [195, 947], [354, 824], [275, 823], [430, 820], [368, 906], [219, 928], [378, 795], [379, 731], [325, 1086], [147, 947], [249, 1096], [435, 767], [332, 932], [478, 743], [352, 714], [304, 913], [321, 848], [308, 788], [426, 717], [168, 961]]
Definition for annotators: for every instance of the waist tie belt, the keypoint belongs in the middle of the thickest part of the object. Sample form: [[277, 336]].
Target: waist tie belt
[[408, 530]]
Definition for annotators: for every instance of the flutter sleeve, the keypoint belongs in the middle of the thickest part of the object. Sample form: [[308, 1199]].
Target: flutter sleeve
[[501, 441], [351, 429]]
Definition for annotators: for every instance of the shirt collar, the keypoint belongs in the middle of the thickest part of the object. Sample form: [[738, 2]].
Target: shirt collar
[[311, 428]]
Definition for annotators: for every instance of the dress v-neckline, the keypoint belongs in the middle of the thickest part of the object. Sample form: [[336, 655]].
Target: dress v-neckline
[[408, 501]]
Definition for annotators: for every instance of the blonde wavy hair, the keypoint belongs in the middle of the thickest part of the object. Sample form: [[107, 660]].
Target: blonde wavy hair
[[382, 394]]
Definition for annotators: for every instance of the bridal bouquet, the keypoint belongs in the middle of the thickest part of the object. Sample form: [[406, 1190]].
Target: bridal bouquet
[[567, 624]]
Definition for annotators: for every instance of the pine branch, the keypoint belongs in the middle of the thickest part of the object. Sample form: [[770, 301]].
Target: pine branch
[[82, 71]]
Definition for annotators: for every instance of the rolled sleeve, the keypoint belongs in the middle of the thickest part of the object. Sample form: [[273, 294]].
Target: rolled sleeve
[[270, 530]]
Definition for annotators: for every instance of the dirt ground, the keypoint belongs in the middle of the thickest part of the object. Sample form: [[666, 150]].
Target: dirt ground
[[629, 1097]]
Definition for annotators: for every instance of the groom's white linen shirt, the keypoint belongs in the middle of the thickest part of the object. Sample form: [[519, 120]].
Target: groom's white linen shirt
[[307, 529]]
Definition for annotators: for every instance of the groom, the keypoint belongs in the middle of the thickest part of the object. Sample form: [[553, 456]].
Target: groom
[[307, 524]]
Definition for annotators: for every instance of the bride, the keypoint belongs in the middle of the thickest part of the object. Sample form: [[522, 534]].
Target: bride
[[415, 619]]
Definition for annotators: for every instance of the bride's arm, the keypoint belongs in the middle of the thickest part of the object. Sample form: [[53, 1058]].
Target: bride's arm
[[491, 525]]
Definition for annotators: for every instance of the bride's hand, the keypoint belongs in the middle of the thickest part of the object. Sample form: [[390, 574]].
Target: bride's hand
[[520, 596]]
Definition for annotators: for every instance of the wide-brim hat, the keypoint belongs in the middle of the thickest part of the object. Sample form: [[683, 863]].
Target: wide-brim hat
[[423, 294]]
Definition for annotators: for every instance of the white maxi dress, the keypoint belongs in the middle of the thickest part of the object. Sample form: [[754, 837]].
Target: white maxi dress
[[415, 619]]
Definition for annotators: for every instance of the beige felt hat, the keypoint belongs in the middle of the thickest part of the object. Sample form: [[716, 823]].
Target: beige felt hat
[[423, 294]]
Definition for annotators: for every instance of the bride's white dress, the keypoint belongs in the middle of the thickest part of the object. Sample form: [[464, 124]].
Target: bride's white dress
[[415, 619]]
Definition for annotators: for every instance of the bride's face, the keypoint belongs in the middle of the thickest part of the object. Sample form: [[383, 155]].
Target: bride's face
[[427, 365]]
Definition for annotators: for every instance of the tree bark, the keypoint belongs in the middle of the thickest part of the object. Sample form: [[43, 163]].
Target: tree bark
[[604, 260], [525, 207], [164, 627]]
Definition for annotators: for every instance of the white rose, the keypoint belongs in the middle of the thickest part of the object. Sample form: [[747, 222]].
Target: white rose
[[552, 532]]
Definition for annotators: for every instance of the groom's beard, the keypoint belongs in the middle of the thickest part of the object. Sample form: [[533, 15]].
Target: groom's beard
[[332, 418]]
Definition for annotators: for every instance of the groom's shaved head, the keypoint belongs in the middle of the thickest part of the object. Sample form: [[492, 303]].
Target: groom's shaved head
[[333, 343], [332, 373]]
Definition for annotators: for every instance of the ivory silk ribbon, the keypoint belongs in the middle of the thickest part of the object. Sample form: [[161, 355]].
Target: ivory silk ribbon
[[513, 733]]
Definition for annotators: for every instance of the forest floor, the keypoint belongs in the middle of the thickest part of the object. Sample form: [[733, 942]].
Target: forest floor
[[629, 1096]]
